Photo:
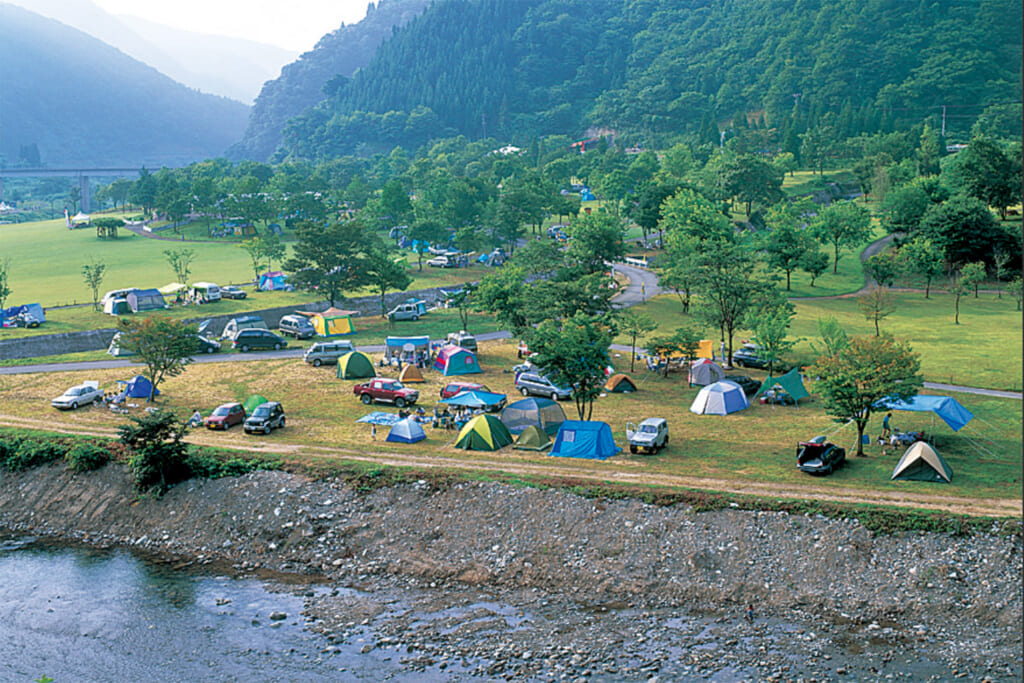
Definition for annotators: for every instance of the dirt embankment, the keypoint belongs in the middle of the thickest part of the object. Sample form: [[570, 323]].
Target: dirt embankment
[[956, 600]]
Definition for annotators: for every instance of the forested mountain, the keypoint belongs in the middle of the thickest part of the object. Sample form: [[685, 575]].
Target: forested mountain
[[79, 101], [654, 71], [302, 82]]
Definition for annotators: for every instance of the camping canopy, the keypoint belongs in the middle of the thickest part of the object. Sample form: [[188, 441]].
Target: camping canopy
[[411, 374], [533, 438], [146, 300], [172, 288], [252, 402], [395, 346], [720, 398], [533, 412], [579, 439], [34, 309], [474, 399], [921, 462], [704, 371], [355, 365], [791, 383], [406, 431], [332, 322], [620, 384], [455, 360], [483, 433], [136, 387], [946, 407]]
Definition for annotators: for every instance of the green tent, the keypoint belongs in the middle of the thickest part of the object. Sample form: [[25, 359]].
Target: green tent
[[251, 403], [355, 365], [533, 438], [483, 433], [791, 383], [921, 462]]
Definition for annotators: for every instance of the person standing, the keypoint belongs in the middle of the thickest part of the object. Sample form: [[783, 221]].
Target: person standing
[[886, 427], [373, 432]]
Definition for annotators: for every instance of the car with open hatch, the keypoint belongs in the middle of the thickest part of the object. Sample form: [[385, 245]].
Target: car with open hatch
[[225, 416], [77, 396], [819, 456], [384, 390], [265, 417]]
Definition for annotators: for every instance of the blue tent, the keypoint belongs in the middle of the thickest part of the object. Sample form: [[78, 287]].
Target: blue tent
[[946, 407], [270, 281], [136, 387], [142, 300], [578, 439], [586, 195], [406, 431], [474, 399]]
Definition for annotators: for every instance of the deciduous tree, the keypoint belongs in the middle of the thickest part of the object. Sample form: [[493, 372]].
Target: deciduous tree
[[842, 224], [877, 304], [574, 353], [921, 257], [93, 273], [180, 262], [634, 324], [328, 259], [163, 345]]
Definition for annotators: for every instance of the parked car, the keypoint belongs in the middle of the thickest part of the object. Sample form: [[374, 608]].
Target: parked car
[[225, 416], [207, 345], [298, 326], [383, 390], [535, 384], [749, 385], [404, 312], [748, 356], [650, 436], [453, 388], [78, 395], [463, 339], [819, 456], [206, 292], [264, 418], [254, 339], [232, 292], [321, 353], [243, 322], [443, 261]]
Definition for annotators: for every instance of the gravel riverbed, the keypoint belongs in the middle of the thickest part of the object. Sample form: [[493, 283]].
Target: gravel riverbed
[[490, 582]]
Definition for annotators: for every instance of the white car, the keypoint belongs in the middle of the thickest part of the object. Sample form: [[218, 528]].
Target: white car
[[80, 395]]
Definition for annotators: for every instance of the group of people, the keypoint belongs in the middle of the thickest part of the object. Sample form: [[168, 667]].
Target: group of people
[[894, 438]]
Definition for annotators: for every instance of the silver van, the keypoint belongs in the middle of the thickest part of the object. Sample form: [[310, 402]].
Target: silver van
[[327, 352]]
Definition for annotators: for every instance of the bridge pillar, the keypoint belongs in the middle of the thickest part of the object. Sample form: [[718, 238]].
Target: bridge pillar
[[83, 185]]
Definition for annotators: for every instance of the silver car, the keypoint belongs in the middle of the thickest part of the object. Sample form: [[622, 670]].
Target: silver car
[[327, 353], [79, 395]]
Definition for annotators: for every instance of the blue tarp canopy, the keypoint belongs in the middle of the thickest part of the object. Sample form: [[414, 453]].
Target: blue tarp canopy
[[379, 417], [406, 431], [474, 399], [580, 439], [946, 407]]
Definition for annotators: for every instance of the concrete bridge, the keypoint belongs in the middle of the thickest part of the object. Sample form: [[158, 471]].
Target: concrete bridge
[[82, 173]]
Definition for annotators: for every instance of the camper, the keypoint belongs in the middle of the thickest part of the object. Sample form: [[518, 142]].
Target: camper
[[242, 322], [117, 294], [205, 292]]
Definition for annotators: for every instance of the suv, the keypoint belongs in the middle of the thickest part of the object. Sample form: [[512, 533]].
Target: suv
[[385, 390], [232, 292], [651, 436], [296, 325], [404, 312], [243, 322], [443, 261], [257, 339], [819, 456], [327, 352], [265, 417], [538, 385], [747, 357], [452, 388], [463, 339]]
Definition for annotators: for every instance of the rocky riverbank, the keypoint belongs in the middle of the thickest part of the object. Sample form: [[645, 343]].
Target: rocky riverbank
[[489, 581]]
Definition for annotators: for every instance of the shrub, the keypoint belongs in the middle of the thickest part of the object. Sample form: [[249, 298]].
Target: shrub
[[159, 458], [85, 457], [30, 453]]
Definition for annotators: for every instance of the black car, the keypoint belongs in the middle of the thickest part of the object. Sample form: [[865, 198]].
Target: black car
[[205, 345], [819, 456], [264, 418], [748, 385], [232, 292], [748, 356], [254, 338]]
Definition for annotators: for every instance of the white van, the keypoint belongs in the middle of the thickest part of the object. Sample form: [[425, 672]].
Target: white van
[[206, 292]]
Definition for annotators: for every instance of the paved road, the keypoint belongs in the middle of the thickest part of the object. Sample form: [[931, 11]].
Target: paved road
[[643, 284]]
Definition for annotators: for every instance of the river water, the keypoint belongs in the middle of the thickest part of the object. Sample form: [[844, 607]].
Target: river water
[[82, 614]]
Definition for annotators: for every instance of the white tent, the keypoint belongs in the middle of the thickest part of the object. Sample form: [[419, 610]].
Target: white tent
[[704, 371], [80, 218], [720, 398]]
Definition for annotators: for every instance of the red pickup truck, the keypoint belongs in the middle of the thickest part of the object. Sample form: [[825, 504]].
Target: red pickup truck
[[385, 390]]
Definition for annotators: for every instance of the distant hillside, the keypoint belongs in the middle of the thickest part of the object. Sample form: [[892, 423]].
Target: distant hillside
[[81, 101], [654, 70], [301, 83]]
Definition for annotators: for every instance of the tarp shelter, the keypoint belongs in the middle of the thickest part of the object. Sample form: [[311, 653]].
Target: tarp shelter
[[791, 383], [332, 322], [117, 307], [406, 431], [533, 438], [704, 371], [252, 403], [379, 417], [533, 412], [172, 288], [270, 281], [411, 374], [483, 433], [720, 398], [136, 387], [35, 310], [394, 347], [355, 365], [619, 384], [705, 348], [146, 300], [946, 407], [474, 399], [80, 218], [921, 462], [579, 439], [455, 360]]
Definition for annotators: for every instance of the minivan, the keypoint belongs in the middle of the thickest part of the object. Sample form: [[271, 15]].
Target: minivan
[[532, 383], [257, 339], [405, 312], [243, 322], [298, 326], [205, 292], [321, 353]]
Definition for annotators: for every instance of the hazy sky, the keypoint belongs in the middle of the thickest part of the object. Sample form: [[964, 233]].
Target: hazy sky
[[292, 24]]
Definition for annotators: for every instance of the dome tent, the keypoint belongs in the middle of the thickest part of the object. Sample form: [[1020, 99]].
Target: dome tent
[[252, 402], [455, 360], [355, 365], [411, 375], [620, 384], [720, 398], [921, 462], [538, 412], [533, 438], [406, 431], [483, 433], [704, 371]]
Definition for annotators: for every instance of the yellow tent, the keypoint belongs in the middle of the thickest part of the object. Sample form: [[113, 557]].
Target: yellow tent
[[332, 322], [411, 375]]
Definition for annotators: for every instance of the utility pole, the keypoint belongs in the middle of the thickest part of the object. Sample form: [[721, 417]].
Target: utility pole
[[943, 120]]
